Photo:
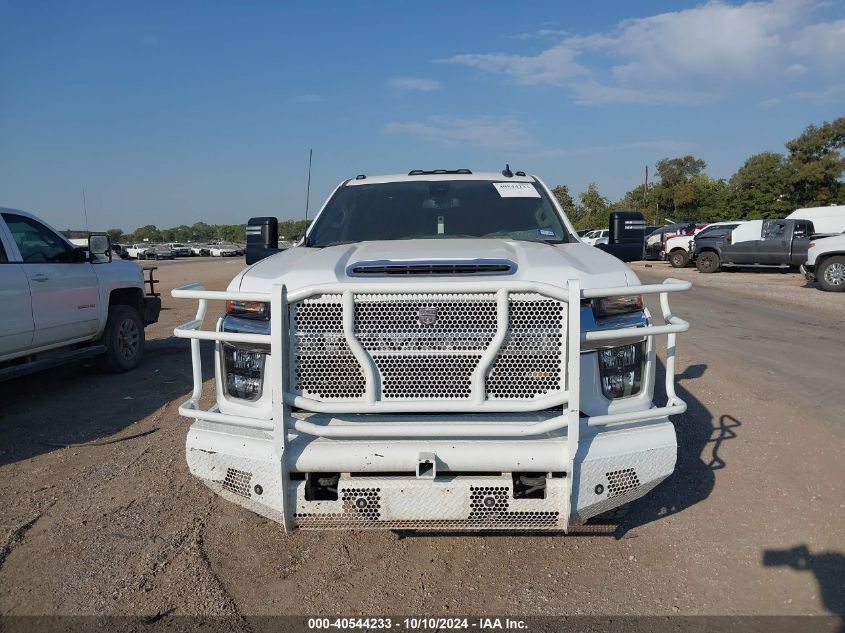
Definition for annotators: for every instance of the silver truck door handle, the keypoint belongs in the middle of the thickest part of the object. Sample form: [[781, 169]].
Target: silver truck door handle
[[40, 277]]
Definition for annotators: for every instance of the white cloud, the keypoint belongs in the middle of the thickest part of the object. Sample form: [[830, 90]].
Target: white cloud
[[690, 56], [539, 34], [768, 104], [514, 136], [821, 44], [552, 66], [415, 83], [494, 133]]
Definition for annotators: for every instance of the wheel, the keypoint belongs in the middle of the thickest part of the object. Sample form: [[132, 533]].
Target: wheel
[[679, 258], [831, 274], [708, 262], [123, 338]]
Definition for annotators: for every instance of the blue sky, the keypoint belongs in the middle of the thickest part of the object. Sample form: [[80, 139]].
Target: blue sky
[[174, 112]]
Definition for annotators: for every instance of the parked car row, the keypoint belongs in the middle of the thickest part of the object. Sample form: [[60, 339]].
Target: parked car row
[[794, 242], [171, 250]]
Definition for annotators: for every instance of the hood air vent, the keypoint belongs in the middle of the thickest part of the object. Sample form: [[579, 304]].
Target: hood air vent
[[432, 268]]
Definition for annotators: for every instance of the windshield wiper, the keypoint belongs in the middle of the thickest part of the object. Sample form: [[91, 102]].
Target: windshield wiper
[[511, 236]]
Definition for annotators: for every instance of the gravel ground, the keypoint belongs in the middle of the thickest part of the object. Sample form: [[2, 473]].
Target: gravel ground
[[99, 514]]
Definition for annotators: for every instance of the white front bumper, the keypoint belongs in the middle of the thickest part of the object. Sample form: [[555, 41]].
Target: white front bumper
[[378, 488]]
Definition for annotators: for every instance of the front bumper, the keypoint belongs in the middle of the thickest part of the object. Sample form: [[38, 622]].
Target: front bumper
[[472, 487], [808, 271]]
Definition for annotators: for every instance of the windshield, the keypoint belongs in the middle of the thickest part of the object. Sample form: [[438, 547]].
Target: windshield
[[438, 210]]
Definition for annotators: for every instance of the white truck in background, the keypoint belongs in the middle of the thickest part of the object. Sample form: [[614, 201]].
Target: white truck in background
[[826, 220], [137, 251], [62, 303], [826, 263], [441, 352]]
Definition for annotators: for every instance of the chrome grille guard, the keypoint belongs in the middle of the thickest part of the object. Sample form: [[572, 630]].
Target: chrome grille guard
[[283, 398]]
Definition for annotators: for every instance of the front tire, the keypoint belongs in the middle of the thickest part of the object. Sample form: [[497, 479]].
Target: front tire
[[831, 274], [123, 338], [679, 258], [708, 262]]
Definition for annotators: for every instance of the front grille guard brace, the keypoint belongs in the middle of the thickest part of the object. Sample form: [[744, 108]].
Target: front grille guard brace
[[283, 400]]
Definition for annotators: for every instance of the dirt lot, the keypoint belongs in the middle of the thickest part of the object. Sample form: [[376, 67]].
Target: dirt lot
[[99, 514]]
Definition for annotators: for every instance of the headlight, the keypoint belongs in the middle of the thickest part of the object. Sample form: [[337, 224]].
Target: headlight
[[611, 306], [248, 309], [621, 370], [244, 372]]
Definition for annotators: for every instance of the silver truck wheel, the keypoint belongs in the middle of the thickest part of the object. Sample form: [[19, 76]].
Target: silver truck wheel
[[831, 274]]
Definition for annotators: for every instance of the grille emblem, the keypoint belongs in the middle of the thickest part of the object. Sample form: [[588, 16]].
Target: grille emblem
[[427, 315]]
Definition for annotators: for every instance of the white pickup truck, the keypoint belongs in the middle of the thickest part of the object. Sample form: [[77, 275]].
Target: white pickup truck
[[678, 248], [62, 303], [440, 353], [826, 262]]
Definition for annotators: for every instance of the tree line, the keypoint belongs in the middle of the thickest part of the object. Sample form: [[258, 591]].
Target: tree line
[[199, 232], [768, 185]]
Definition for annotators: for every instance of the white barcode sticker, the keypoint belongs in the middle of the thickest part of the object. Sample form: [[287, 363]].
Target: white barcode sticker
[[516, 190]]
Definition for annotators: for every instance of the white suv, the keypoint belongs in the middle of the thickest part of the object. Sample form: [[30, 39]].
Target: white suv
[[441, 352]]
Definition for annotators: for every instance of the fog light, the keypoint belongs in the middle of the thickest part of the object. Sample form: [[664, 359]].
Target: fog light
[[621, 370], [244, 372]]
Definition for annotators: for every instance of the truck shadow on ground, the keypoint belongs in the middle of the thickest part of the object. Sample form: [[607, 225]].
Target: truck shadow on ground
[[700, 438], [79, 404], [828, 568]]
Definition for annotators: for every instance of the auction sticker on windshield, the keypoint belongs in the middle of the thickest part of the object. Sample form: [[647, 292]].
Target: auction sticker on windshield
[[516, 190]]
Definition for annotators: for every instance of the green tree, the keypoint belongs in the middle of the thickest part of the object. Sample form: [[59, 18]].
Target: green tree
[[149, 232], [232, 232], [116, 235], [182, 233], [816, 165], [564, 198], [293, 229], [676, 171], [593, 210], [684, 189], [761, 188], [202, 232]]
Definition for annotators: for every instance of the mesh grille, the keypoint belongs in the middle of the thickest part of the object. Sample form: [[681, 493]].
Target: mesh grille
[[530, 363], [488, 511], [621, 481], [323, 367], [237, 481], [425, 323], [427, 346]]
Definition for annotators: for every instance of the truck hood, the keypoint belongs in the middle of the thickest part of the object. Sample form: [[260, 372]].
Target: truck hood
[[534, 261]]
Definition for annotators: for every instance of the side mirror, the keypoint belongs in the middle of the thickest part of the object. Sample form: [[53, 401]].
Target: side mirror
[[262, 238], [627, 236], [99, 245]]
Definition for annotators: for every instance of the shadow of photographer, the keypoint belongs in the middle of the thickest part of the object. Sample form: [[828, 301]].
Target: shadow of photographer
[[828, 568]]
